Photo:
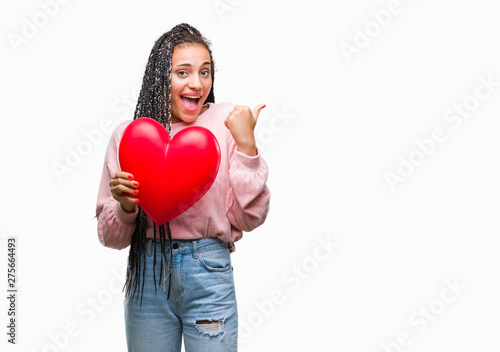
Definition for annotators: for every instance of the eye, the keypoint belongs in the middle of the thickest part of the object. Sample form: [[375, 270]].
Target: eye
[[182, 73], [205, 73]]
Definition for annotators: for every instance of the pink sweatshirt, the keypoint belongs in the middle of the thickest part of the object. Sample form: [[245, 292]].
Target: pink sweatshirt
[[237, 201]]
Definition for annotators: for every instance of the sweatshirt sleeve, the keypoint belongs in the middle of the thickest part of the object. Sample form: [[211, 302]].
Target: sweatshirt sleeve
[[248, 197], [114, 225]]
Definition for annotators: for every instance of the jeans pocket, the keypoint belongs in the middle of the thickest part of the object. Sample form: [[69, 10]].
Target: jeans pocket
[[215, 261]]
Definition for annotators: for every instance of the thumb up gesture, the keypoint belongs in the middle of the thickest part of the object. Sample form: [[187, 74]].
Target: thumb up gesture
[[241, 123]]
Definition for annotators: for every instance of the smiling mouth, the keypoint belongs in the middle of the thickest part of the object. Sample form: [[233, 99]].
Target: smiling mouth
[[190, 102]]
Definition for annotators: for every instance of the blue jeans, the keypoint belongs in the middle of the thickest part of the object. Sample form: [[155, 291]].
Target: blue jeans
[[202, 304]]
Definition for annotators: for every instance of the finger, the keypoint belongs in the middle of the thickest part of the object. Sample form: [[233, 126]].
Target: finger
[[125, 175], [229, 119], [126, 201], [125, 191], [121, 181], [132, 200], [257, 109], [125, 197]]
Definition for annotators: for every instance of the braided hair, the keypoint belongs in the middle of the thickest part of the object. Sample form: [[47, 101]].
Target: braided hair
[[155, 102]]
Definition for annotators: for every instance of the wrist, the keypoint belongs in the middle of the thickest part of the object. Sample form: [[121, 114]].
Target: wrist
[[249, 148], [128, 209]]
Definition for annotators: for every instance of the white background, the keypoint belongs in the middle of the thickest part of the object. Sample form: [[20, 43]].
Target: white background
[[351, 119]]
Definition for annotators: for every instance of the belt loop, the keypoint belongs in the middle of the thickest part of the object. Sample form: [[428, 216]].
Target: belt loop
[[148, 247], [195, 249]]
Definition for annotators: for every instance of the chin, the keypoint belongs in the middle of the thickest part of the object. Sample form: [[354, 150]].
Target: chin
[[184, 117], [189, 118]]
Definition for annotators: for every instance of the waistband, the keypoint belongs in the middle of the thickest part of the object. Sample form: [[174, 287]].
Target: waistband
[[188, 246]]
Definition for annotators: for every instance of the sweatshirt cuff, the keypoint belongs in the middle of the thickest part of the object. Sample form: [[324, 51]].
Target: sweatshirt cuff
[[123, 216], [247, 163]]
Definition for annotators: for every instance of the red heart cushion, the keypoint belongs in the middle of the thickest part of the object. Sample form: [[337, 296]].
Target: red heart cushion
[[172, 174]]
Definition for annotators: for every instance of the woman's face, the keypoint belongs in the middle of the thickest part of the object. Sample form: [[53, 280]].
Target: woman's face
[[191, 81]]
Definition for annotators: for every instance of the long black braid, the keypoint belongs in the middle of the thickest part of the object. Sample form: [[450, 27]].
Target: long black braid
[[155, 102]]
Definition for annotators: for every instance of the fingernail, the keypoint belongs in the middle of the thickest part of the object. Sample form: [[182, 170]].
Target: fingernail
[[136, 191], [138, 200], [264, 106], [135, 183], [130, 177]]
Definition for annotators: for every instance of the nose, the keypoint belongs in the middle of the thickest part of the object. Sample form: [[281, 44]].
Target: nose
[[195, 83]]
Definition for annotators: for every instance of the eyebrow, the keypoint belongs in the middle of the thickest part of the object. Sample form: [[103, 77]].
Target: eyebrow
[[187, 64]]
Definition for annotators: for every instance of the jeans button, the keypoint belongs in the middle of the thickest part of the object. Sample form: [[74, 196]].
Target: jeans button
[[175, 246]]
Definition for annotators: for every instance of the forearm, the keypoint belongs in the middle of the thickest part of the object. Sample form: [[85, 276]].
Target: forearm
[[115, 227], [249, 197]]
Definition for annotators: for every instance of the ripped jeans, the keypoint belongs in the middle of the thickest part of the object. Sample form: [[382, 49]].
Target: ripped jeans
[[202, 304]]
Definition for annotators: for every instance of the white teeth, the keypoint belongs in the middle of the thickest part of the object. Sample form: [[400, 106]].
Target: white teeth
[[190, 97]]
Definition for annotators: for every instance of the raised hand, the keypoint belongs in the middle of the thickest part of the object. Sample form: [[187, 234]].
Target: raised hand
[[241, 123]]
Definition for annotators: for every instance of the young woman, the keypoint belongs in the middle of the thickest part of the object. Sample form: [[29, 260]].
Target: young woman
[[182, 285]]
